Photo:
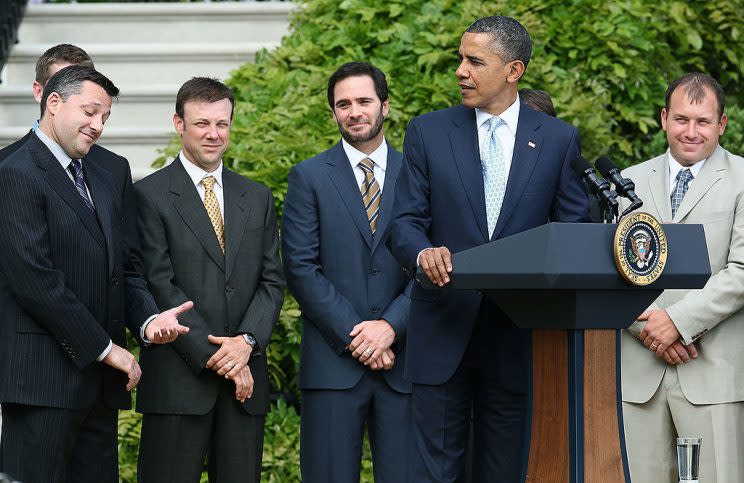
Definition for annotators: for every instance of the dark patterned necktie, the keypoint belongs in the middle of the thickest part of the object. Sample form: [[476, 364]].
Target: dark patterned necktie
[[76, 168], [370, 193], [683, 180]]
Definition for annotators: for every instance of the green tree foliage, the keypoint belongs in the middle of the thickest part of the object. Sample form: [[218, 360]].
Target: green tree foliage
[[606, 64]]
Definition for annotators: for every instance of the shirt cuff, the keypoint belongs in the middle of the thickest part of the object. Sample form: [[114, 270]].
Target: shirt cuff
[[106, 351], [144, 326], [418, 257]]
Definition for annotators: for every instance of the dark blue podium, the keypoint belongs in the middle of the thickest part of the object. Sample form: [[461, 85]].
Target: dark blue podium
[[560, 279]]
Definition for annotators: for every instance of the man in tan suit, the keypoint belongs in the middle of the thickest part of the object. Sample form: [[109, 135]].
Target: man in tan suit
[[683, 363]]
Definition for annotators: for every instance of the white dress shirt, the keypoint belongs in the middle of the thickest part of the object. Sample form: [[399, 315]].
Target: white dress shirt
[[197, 175], [378, 156], [675, 168]]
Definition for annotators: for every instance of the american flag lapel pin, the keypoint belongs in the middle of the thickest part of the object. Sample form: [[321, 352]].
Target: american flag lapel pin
[[531, 144]]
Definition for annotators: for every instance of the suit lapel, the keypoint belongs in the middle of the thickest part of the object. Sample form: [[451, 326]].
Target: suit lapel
[[101, 188], [386, 204], [57, 178], [527, 145], [464, 142], [342, 177], [237, 213], [658, 184], [711, 173], [191, 208]]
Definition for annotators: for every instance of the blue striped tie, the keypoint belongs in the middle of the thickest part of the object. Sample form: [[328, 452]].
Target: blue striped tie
[[680, 190], [76, 168]]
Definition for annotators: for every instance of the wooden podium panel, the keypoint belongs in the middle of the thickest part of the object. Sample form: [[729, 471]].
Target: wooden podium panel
[[585, 446]]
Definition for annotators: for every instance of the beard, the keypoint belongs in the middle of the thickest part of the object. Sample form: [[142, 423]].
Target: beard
[[363, 137]]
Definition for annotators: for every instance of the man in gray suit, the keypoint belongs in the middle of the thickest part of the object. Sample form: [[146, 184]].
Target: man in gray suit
[[682, 361], [208, 235]]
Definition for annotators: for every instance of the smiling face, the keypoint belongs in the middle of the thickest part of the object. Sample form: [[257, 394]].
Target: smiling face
[[205, 131], [486, 81], [359, 112], [77, 123], [692, 128]]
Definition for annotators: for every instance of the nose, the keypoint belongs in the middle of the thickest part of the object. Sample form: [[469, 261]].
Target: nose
[[96, 123], [691, 130], [461, 72], [355, 110], [212, 131]]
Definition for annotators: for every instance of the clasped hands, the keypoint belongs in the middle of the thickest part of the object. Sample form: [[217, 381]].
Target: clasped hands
[[231, 361], [371, 344], [661, 336]]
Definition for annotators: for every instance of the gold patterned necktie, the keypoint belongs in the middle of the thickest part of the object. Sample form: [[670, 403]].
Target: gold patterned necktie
[[371, 193], [213, 209]]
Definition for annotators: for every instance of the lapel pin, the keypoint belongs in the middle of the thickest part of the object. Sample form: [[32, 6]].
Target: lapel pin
[[531, 144]]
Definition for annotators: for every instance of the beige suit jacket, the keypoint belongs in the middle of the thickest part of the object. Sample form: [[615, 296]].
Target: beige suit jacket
[[711, 317]]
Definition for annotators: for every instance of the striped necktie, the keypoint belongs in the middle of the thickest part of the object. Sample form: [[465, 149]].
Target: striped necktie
[[76, 168], [371, 193], [213, 209]]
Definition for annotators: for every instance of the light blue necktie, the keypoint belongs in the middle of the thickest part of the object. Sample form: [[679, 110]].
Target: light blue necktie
[[494, 173], [684, 176]]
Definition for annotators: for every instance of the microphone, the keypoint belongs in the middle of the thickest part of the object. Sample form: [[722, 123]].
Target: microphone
[[598, 185], [624, 186]]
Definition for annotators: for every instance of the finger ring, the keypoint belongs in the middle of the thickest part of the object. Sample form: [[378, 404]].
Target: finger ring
[[654, 345], [230, 365], [368, 351]]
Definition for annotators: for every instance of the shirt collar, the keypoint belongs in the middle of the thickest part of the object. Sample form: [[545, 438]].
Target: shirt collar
[[675, 167], [510, 116], [55, 148], [197, 174], [379, 155]]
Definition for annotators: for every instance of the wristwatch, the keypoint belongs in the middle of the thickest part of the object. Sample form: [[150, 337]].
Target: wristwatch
[[250, 340]]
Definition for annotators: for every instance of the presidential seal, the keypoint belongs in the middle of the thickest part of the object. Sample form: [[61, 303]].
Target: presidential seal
[[640, 248]]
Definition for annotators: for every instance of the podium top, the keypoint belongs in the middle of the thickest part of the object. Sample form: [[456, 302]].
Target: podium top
[[575, 256]]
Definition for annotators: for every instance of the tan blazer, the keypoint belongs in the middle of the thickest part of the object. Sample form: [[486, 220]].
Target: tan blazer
[[712, 317]]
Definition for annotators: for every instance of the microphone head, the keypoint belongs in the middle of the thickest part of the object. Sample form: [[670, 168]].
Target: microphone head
[[604, 166], [581, 165]]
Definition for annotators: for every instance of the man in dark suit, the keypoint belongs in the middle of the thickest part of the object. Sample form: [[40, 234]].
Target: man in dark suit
[[210, 235], [353, 294], [484, 170], [68, 287], [52, 61]]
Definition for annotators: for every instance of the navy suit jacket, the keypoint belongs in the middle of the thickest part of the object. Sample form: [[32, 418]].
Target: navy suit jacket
[[339, 273], [69, 280], [439, 201]]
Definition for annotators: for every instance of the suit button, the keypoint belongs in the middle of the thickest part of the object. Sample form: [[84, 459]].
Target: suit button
[[114, 281], [228, 289], [375, 309], [375, 271]]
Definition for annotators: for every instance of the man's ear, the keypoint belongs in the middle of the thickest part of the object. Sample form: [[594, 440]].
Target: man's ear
[[38, 91], [53, 102], [178, 123], [516, 71]]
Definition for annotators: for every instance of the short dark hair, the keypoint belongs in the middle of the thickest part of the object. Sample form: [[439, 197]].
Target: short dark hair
[[69, 81], [694, 84], [358, 69], [60, 54], [537, 100], [511, 41], [203, 89]]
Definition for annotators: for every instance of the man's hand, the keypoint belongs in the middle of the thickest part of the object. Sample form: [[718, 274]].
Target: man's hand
[[384, 362], [370, 339], [122, 360], [660, 332], [243, 383], [231, 357], [678, 353], [436, 264], [165, 327]]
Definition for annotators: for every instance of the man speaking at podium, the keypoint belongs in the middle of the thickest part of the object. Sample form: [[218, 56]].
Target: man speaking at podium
[[682, 361], [484, 170]]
